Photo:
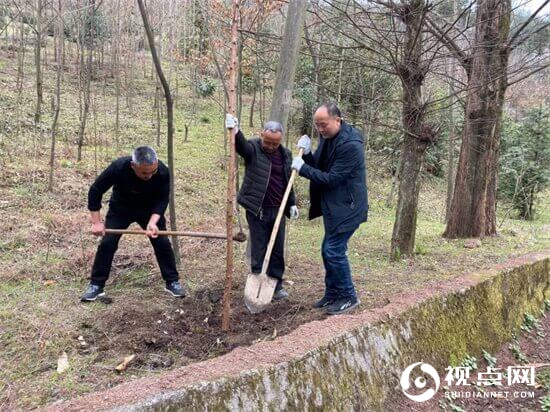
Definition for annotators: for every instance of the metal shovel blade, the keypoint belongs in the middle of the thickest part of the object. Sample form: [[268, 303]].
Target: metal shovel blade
[[258, 292]]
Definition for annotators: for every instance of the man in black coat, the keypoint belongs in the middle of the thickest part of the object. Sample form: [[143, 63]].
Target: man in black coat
[[338, 192], [141, 188], [266, 176]]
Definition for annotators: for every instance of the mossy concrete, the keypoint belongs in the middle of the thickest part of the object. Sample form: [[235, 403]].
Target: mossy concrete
[[359, 368]]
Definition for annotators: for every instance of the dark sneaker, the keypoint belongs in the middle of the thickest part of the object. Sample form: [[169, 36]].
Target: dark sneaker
[[280, 294], [92, 293], [342, 306], [323, 303], [175, 289]]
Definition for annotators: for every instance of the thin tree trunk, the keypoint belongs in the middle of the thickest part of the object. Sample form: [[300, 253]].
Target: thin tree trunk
[[117, 75], [450, 164], [251, 117], [240, 79], [157, 100], [231, 171], [38, 63], [262, 100], [87, 81], [170, 125], [58, 54], [21, 56], [451, 69]]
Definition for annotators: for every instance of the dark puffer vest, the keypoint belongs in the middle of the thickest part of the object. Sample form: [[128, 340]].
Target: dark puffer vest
[[257, 174]]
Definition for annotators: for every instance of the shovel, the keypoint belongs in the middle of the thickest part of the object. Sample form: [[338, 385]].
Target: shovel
[[239, 237], [259, 288]]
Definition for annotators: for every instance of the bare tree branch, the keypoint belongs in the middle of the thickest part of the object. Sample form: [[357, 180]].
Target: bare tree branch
[[525, 24]]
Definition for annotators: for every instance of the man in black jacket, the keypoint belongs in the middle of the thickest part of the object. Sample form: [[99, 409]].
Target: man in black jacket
[[141, 188], [338, 192], [267, 172]]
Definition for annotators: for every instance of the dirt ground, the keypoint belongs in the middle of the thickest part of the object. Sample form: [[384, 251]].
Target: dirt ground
[[530, 348]]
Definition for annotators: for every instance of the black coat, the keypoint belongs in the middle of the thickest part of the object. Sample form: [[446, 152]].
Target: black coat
[[257, 173], [130, 193], [340, 193]]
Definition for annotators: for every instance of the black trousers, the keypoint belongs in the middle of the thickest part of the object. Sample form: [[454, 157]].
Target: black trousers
[[109, 244], [260, 232]]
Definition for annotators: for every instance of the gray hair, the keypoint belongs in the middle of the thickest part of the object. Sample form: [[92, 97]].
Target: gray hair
[[144, 154], [273, 127]]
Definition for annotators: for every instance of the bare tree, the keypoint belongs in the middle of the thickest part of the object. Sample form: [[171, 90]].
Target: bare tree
[[59, 69], [87, 37], [231, 169], [170, 123], [38, 14]]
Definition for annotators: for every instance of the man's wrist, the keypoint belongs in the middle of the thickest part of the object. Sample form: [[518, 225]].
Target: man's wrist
[[153, 220], [95, 217]]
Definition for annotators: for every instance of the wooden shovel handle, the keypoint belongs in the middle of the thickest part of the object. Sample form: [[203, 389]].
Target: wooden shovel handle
[[279, 218], [239, 237]]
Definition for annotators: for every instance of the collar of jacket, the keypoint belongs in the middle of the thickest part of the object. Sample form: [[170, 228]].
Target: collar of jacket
[[344, 135]]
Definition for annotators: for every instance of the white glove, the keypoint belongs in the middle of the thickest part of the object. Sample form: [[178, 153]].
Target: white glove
[[231, 122], [305, 143], [294, 213], [297, 163]]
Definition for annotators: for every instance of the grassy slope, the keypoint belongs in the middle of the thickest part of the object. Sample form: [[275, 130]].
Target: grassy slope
[[46, 251]]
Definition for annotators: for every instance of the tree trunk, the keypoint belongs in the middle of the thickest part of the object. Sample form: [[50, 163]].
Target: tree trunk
[[417, 134], [116, 74], [251, 117], [21, 56], [87, 81], [231, 170], [473, 209], [450, 164], [282, 93], [170, 124], [58, 54], [451, 144], [157, 100], [37, 62]]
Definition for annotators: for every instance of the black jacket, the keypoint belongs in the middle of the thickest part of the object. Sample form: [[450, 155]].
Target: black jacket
[[130, 193], [257, 173], [340, 193]]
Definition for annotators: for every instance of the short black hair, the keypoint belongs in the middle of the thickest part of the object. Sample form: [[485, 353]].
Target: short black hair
[[332, 109]]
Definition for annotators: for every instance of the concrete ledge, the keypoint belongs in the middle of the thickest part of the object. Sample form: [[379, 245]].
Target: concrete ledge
[[348, 362]]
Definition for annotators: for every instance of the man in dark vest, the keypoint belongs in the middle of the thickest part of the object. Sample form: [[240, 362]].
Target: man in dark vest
[[338, 192], [141, 188], [267, 172]]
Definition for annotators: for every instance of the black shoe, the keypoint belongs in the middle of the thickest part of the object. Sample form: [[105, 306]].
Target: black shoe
[[175, 289], [280, 294], [92, 293], [342, 306], [323, 303]]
